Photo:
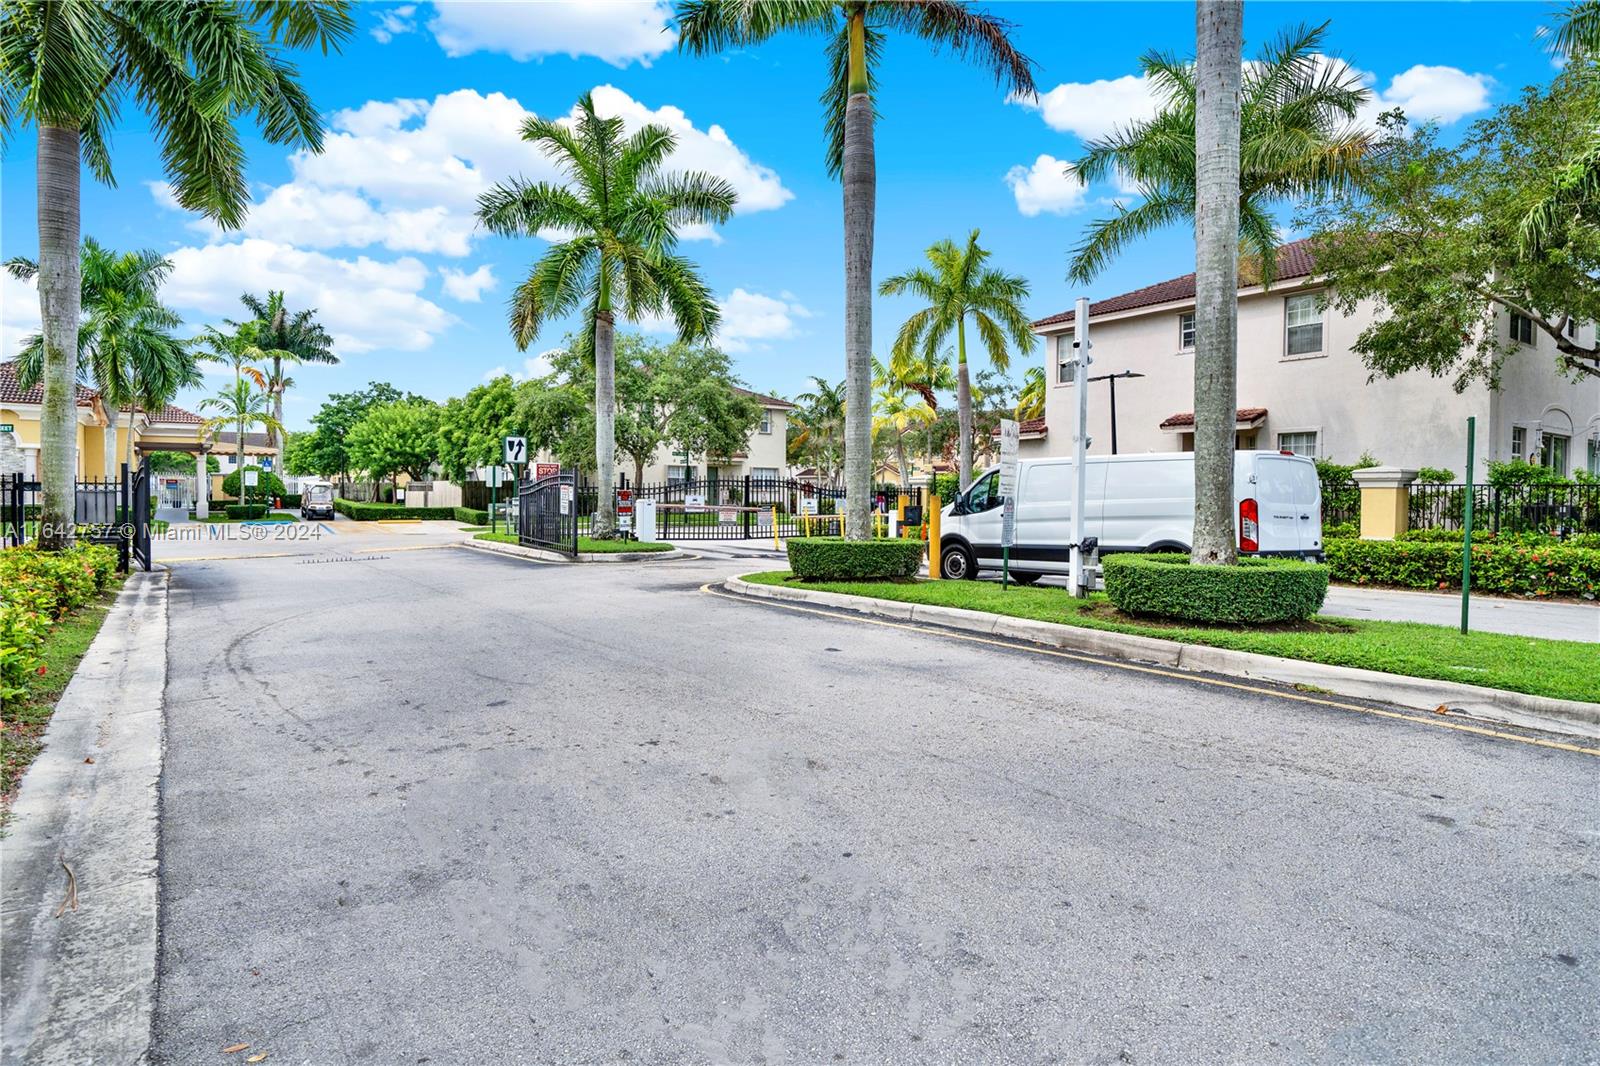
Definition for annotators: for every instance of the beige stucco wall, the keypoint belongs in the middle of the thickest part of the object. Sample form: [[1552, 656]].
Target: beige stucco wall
[[763, 451], [1412, 420]]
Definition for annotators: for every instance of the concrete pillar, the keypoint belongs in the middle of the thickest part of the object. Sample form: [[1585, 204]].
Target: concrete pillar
[[202, 487], [1385, 501]]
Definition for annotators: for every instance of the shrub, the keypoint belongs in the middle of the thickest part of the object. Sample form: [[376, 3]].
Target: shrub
[[1256, 591], [1516, 472], [374, 512], [267, 485], [471, 516], [291, 501], [1506, 565], [837, 559], [1341, 529], [251, 510], [947, 487], [1436, 475], [41, 588]]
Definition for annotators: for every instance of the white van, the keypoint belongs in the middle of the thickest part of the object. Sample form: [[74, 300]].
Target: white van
[[1133, 503]]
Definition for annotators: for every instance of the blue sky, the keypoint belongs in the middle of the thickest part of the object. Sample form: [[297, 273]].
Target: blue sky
[[424, 102]]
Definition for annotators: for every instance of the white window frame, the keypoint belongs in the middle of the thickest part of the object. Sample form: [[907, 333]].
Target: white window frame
[[1063, 343], [1321, 324], [1592, 453], [1519, 442], [766, 422], [1511, 329], [1185, 348], [764, 473], [1316, 439], [688, 474], [1545, 447]]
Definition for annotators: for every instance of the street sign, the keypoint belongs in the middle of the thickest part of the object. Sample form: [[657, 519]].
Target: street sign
[[494, 476], [1010, 443], [516, 450], [694, 502], [266, 462], [727, 514], [252, 478], [7, 427], [808, 505], [544, 470], [566, 499]]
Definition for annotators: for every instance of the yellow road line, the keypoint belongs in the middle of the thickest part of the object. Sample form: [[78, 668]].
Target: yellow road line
[[1177, 675]]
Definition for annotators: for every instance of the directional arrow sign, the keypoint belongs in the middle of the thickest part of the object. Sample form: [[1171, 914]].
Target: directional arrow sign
[[516, 449]]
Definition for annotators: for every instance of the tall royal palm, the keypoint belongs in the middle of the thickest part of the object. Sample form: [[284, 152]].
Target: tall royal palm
[[126, 346], [66, 66], [1297, 134], [291, 338], [240, 349], [958, 286], [823, 415], [856, 31], [240, 405], [899, 409], [622, 214]]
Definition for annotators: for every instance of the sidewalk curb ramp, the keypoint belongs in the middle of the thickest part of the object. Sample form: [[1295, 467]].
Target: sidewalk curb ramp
[[583, 557], [1571, 717], [80, 988]]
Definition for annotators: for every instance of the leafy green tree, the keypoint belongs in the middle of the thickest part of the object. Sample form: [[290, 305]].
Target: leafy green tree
[[706, 414], [181, 463], [1030, 399], [958, 286], [241, 405], [1297, 139], [856, 32], [395, 438], [899, 410], [324, 449], [623, 214], [472, 428], [195, 69], [291, 338], [821, 420], [126, 346], [1432, 241], [267, 484]]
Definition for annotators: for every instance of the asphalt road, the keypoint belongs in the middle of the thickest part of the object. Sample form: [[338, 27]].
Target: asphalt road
[[436, 806]]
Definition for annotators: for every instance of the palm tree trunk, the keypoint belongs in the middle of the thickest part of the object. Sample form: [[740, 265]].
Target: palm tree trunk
[[860, 192], [605, 418], [277, 399], [963, 406], [109, 435], [900, 458], [60, 297], [1219, 39], [130, 445]]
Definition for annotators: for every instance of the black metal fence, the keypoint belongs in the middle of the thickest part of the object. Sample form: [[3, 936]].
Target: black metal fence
[[1341, 501], [110, 511], [1554, 509], [547, 514]]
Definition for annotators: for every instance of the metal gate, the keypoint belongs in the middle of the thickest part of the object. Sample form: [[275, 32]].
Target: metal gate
[[743, 508], [547, 514], [176, 491], [115, 513]]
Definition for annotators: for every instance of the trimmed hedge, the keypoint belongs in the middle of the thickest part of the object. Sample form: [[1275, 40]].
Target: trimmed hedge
[[41, 588], [377, 512], [1489, 536], [471, 516], [267, 484], [291, 501], [837, 559], [1256, 591], [1505, 566], [244, 510]]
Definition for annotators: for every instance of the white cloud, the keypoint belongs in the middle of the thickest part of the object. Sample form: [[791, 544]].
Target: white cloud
[[1431, 94], [619, 31], [19, 313], [535, 367], [1049, 185], [468, 288], [394, 22], [1094, 109], [749, 318], [365, 303], [406, 174]]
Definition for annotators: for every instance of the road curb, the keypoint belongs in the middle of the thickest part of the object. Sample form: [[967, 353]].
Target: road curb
[[1513, 708], [583, 557], [81, 987]]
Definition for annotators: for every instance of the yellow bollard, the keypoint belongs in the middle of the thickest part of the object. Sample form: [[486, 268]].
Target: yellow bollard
[[933, 536]]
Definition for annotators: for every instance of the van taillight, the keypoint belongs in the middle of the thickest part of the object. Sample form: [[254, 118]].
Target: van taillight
[[1249, 527]]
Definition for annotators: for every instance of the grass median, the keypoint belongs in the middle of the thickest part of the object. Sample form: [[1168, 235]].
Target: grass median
[[1564, 669], [588, 545]]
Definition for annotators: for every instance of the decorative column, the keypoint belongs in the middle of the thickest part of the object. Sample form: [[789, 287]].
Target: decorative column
[[202, 487], [1385, 501]]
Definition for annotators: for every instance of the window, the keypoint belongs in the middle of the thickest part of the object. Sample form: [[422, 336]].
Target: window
[[1519, 442], [1303, 324], [1186, 331], [1521, 328], [766, 421], [678, 474], [1572, 328], [984, 493], [1553, 449], [1064, 356], [764, 473], [1301, 443], [1594, 456]]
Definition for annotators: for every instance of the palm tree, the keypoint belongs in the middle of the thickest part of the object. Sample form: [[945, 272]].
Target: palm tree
[[240, 405], [623, 215], [960, 286], [1298, 140], [1575, 196], [1219, 41], [897, 413], [293, 338], [823, 412], [856, 31], [66, 67], [125, 342], [1030, 401], [241, 351]]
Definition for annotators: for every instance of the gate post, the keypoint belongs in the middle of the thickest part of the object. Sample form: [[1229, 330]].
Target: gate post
[[744, 502], [1385, 501]]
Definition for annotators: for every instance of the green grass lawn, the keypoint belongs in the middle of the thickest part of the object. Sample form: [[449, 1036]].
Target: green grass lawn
[[586, 544], [1566, 669], [26, 718]]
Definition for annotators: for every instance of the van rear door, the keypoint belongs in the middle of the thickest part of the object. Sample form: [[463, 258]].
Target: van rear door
[[1308, 502], [1278, 506]]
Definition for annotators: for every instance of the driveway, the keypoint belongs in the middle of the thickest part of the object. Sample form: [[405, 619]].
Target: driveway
[[443, 807]]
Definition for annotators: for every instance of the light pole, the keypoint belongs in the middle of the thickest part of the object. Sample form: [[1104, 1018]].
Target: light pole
[[1113, 379]]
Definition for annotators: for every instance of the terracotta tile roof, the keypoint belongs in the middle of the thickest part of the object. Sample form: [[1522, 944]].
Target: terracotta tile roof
[[765, 400], [11, 392], [1294, 261], [1031, 427], [231, 439], [1244, 414], [171, 413]]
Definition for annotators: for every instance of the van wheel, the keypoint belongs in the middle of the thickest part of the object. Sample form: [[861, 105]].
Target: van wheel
[[1025, 578], [955, 564]]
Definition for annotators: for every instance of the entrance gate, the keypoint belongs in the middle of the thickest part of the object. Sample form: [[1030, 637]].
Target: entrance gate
[[752, 507], [547, 514]]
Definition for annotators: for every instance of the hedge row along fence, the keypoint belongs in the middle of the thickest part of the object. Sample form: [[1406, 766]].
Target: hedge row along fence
[[1511, 568], [837, 559], [378, 512], [41, 588], [1257, 591]]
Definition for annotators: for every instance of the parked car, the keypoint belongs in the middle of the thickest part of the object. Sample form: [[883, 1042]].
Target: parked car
[[316, 500], [1132, 503]]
